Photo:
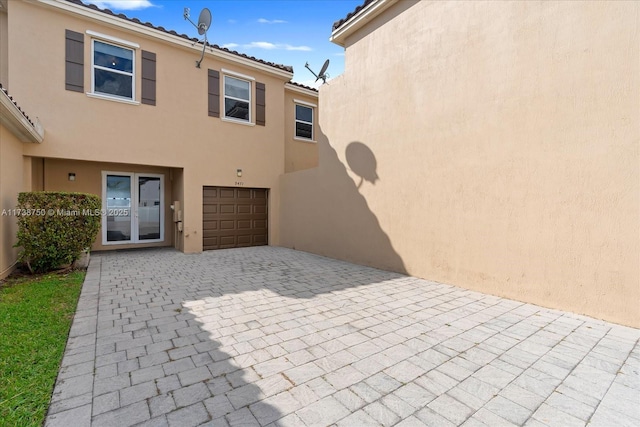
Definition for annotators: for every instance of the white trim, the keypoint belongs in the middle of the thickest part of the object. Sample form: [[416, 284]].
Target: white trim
[[160, 35], [135, 231], [17, 123], [311, 141], [305, 103], [112, 39], [112, 98], [312, 123], [238, 121], [358, 20], [305, 91], [234, 74]]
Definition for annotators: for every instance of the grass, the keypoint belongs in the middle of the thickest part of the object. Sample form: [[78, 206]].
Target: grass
[[35, 317]]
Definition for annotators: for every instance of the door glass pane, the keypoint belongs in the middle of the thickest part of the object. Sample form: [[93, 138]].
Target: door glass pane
[[118, 208], [148, 208]]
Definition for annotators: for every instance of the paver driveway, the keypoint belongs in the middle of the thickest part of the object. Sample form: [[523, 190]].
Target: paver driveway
[[270, 335]]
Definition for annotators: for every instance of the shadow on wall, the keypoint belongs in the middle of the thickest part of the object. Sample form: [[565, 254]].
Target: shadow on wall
[[362, 162], [324, 212]]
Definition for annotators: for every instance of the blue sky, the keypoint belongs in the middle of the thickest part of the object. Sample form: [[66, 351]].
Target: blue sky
[[289, 32]]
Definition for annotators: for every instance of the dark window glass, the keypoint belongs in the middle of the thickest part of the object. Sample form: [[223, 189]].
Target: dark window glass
[[304, 113], [113, 83], [114, 57], [236, 109], [304, 130]]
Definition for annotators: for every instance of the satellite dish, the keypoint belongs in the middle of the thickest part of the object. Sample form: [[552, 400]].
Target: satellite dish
[[323, 71], [204, 23]]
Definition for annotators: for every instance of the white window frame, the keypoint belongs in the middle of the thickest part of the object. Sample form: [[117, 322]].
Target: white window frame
[[122, 44], [135, 240], [225, 96], [312, 107]]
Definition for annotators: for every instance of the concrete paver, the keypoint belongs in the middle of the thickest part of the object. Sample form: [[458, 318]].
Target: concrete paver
[[271, 336]]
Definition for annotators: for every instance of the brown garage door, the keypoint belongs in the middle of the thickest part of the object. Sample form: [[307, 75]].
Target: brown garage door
[[233, 217]]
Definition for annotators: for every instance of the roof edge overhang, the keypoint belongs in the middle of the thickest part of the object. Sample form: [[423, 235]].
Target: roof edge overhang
[[120, 23], [17, 123], [302, 90], [359, 20]]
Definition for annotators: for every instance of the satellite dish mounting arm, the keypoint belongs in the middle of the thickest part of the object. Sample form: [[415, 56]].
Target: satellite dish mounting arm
[[204, 22]]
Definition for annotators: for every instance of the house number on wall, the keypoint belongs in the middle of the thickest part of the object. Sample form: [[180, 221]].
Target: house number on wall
[[239, 183]]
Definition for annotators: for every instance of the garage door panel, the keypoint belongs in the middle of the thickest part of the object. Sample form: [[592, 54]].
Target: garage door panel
[[210, 241], [243, 224], [234, 217], [210, 226], [210, 192], [227, 193], [259, 239], [244, 193]]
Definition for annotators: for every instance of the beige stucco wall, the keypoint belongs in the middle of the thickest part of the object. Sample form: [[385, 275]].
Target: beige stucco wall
[[298, 154], [4, 46], [11, 183], [496, 148], [176, 133]]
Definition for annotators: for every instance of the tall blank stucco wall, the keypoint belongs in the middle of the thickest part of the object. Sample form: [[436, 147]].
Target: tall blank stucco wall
[[494, 146]]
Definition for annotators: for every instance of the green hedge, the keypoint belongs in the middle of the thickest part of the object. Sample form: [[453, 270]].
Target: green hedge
[[55, 227]]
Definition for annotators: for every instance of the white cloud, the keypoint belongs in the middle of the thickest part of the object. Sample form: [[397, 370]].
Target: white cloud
[[274, 46], [230, 45], [339, 54], [122, 4], [261, 45], [272, 21], [232, 21]]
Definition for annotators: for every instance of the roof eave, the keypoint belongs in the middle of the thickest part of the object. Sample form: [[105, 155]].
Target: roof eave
[[157, 34], [359, 20], [15, 121], [301, 90]]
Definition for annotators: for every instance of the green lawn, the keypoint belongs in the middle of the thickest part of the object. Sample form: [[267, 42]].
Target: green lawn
[[35, 317]]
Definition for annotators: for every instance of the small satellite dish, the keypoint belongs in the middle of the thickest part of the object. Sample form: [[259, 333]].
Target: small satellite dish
[[204, 23], [323, 71]]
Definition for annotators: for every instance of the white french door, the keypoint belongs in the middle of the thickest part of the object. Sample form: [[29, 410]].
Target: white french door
[[133, 208]]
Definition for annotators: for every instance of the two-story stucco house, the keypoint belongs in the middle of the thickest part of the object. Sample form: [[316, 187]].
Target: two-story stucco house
[[181, 155]]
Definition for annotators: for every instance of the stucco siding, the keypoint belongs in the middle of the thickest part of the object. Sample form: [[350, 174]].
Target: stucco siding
[[496, 145]]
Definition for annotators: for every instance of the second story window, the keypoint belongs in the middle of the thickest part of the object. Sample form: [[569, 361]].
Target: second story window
[[304, 122], [112, 72], [237, 99]]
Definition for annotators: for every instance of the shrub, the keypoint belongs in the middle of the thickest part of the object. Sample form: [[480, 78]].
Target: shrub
[[55, 227]]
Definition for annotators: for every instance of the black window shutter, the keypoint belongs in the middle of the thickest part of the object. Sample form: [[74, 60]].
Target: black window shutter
[[74, 61], [260, 104], [214, 93], [148, 78]]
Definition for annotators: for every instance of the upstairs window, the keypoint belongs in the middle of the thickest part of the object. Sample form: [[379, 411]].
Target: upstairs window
[[112, 70], [237, 99], [304, 122]]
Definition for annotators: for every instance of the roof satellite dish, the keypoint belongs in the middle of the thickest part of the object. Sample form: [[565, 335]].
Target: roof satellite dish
[[323, 71], [204, 22]]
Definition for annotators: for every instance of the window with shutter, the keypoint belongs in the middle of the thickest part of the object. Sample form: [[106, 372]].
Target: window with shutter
[[214, 93], [148, 95], [74, 61], [260, 104]]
